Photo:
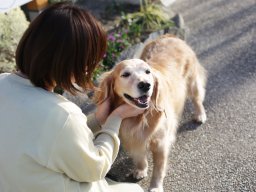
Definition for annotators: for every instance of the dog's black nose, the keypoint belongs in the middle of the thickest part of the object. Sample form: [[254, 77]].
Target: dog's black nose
[[144, 86]]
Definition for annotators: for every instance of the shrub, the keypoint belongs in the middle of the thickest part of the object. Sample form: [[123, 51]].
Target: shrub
[[12, 26], [117, 42]]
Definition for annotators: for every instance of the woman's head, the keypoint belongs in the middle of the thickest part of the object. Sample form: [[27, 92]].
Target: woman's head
[[64, 42]]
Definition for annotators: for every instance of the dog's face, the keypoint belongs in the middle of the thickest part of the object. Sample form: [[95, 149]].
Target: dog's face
[[134, 82], [131, 81]]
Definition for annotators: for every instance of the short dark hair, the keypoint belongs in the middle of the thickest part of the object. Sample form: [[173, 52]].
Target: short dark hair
[[65, 41]]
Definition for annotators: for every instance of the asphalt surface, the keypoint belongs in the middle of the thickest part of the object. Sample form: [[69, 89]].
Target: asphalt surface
[[220, 155]]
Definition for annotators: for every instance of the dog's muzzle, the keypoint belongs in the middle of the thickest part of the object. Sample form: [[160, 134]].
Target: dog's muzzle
[[141, 102]]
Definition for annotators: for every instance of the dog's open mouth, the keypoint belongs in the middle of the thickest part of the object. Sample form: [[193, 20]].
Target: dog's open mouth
[[141, 102]]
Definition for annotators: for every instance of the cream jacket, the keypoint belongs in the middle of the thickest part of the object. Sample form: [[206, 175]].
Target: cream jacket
[[46, 145]]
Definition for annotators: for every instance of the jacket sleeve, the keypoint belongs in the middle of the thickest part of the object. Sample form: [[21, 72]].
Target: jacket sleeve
[[93, 123], [80, 155]]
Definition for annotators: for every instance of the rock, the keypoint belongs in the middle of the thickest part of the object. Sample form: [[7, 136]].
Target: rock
[[131, 52]]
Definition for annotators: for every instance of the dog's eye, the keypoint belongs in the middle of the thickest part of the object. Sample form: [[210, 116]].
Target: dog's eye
[[147, 71], [126, 74]]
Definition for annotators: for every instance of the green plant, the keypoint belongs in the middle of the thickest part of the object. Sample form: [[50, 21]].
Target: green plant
[[149, 18], [98, 71], [117, 42]]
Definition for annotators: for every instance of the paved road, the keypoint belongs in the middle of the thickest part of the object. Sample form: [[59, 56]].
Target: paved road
[[219, 156]]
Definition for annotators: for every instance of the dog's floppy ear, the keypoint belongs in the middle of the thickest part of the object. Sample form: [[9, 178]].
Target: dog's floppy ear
[[158, 93], [105, 89]]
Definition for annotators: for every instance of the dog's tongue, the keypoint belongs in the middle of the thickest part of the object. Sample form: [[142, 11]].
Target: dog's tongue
[[142, 99]]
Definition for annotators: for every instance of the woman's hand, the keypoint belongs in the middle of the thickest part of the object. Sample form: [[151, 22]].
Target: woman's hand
[[123, 111], [103, 111]]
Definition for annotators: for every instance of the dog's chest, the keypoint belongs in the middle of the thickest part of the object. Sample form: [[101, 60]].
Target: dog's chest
[[136, 132]]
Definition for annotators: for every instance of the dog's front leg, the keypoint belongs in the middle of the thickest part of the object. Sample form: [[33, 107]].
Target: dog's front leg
[[141, 164], [160, 151]]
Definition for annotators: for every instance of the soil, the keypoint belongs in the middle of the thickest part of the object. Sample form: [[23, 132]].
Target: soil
[[108, 12]]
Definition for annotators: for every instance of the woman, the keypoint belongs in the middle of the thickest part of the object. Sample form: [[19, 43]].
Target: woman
[[45, 140]]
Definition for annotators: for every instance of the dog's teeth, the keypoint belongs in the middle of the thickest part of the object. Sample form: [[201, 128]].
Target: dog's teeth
[[143, 99]]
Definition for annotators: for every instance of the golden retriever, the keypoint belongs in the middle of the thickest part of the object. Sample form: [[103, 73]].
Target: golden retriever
[[159, 82]]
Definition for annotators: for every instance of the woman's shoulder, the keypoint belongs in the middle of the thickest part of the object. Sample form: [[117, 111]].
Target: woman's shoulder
[[60, 104], [52, 104], [68, 105]]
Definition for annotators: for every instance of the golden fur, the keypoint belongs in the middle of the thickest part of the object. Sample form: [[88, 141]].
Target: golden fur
[[174, 73]]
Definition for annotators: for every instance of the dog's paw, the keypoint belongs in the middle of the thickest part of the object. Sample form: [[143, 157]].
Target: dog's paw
[[200, 118], [159, 189], [140, 174]]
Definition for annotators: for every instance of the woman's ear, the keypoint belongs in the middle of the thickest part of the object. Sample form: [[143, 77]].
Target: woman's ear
[[105, 89], [158, 93]]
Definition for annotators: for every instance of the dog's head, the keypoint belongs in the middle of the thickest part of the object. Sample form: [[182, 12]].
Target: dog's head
[[132, 81]]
